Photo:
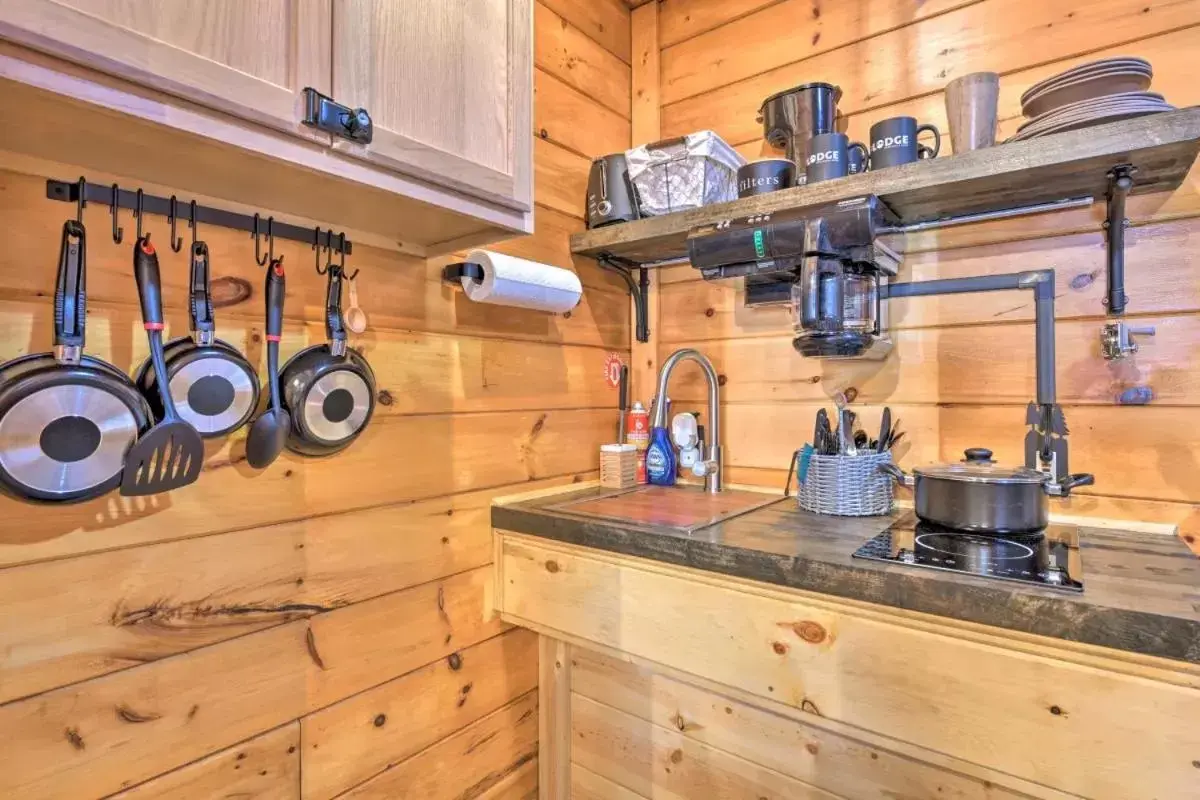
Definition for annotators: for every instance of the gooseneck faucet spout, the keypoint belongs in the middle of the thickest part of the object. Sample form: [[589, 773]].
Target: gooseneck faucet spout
[[711, 465]]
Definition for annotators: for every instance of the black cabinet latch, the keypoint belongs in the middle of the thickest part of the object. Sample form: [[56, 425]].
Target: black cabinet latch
[[324, 113]]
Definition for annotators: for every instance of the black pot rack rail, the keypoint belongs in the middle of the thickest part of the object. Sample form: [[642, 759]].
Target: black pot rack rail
[[175, 210]]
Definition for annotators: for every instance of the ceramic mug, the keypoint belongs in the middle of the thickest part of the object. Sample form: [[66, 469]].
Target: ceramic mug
[[894, 142], [764, 176], [829, 156]]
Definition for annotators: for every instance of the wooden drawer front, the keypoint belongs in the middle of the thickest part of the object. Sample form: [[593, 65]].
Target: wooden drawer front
[[1091, 731]]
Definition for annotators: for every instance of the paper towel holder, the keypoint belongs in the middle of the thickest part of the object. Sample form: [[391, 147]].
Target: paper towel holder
[[453, 274]]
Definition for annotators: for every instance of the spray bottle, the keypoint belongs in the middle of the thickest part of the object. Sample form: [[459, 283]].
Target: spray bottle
[[661, 466]]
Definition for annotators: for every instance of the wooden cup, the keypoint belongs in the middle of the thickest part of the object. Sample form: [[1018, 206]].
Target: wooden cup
[[972, 104]]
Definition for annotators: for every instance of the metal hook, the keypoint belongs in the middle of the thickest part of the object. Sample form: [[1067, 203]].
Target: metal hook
[[259, 257], [328, 252], [138, 213], [270, 238], [342, 262], [172, 215], [317, 248], [192, 221], [82, 200], [118, 232]]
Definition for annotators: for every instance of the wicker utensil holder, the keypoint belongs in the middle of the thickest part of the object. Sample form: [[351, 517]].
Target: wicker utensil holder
[[846, 486], [618, 466]]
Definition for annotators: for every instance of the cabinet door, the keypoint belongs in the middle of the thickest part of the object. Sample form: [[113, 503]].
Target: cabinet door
[[249, 58], [449, 88]]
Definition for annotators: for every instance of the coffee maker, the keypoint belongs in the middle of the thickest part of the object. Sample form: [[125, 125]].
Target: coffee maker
[[831, 263]]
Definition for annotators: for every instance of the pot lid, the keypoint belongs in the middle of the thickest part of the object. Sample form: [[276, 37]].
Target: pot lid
[[978, 467]]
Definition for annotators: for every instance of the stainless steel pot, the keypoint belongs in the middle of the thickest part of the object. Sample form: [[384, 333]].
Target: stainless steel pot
[[980, 495]]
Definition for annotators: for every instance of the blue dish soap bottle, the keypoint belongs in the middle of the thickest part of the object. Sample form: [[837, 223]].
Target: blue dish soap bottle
[[660, 458]]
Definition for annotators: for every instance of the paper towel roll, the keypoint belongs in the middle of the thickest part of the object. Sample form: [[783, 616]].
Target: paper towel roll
[[511, 281]]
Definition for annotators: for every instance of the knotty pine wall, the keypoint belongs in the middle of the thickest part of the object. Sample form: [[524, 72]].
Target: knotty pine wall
[[963, 367], [318, 629]]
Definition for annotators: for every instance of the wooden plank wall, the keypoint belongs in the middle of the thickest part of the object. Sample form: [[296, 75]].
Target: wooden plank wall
[[320, 629], [963, 366]]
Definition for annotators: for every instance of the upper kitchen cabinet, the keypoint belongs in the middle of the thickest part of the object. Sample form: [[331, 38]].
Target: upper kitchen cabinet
[[208, 96], [448, 86], [249, 59]]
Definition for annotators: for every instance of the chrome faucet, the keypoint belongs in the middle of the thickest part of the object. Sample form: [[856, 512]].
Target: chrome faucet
[[710, 468]]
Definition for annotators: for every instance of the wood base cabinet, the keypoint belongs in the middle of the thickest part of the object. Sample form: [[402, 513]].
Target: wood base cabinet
[[685, 684], [448, 86]]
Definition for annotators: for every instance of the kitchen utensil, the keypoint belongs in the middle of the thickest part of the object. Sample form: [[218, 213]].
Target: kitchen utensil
[[981, 496], [66, 419], [846, 433], [894, 142], [791, 118], [1090, 86], [765, 176], [829, 156], [622, 402], [972, 106], [328, 389], [356, 318], [610, 194], [269, 432], [171, 454], [885, 429], [214, 386], [824, 433], [1126, 62]]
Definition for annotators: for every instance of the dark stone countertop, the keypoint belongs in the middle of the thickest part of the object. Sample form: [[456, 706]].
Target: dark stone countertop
[[1141, 591]]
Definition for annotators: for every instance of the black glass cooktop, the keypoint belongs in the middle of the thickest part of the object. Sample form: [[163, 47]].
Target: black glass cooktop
[[1049, 558]]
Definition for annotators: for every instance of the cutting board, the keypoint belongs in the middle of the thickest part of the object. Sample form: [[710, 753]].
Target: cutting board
[[684, 508]]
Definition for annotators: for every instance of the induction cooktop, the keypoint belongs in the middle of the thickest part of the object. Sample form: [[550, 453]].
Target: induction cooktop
[[1048, 558]]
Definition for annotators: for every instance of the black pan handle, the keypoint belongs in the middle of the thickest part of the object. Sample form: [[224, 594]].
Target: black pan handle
[[1078, 479], [200, 306], [70, 292], [335, 328], [275, 291], [149, 283]]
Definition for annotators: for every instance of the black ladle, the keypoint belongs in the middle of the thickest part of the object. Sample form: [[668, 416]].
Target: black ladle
[[269, 432]]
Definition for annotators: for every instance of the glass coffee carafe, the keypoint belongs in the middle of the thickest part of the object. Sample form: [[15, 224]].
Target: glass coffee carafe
[[836, 312]]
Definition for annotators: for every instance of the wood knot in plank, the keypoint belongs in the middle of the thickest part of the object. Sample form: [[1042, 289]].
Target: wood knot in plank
[[810, 707], [310, 641], [455, 661], [676, 756], [74, 737], [780, 648], [812, 748], [809, 631], [127, 714], [552, 566], [380, 720]]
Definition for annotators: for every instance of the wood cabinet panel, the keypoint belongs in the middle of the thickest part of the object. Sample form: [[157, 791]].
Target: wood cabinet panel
[[449, 88], [825, 758], [250, 60], [975, 698]]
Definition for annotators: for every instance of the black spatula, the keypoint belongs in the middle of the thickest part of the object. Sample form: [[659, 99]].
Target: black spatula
[[269, 432], [170, 454]]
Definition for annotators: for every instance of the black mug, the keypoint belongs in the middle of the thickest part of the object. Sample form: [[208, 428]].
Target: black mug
[[829, 156], [894, 142], [764, 176]]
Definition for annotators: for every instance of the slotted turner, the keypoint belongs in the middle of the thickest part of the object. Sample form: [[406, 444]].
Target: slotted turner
[[170, 454]]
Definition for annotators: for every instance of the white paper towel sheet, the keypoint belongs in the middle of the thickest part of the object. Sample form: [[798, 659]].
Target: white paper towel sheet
[[516, 282]]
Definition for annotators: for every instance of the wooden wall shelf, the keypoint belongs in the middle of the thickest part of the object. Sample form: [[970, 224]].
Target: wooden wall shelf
[[1070, 165]]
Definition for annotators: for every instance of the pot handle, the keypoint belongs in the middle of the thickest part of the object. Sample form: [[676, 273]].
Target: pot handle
[[1078, 479], [902, 478]]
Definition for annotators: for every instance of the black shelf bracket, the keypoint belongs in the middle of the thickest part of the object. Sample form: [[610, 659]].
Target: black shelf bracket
[[1120, 181], [639, 289], [137, 200]]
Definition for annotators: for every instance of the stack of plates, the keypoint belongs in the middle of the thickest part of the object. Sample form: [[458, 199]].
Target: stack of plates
[[1087, 95]]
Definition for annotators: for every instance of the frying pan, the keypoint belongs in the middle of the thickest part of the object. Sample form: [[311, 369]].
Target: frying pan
[[67, 419], [214, 387], [328, 390]]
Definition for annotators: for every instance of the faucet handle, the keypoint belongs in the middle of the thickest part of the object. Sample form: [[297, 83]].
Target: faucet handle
[[702, 468]]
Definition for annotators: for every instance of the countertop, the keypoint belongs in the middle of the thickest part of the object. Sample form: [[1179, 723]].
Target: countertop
[[1141, 591]]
